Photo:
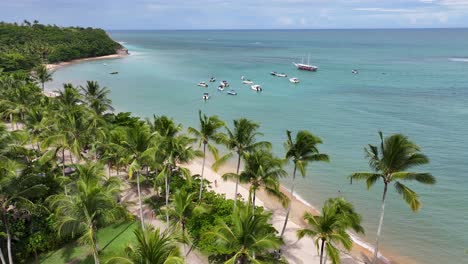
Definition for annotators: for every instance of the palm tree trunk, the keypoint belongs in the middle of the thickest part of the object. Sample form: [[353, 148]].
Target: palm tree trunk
[[202, 170], [95, 248], [43, 87], [321, 251], [142, 220], [2, 257], [290, 204], [7, 229], [379, 229], [237, 180], [167, 199], [253, 202]]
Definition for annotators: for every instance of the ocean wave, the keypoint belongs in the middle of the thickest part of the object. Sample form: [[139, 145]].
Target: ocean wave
[[366, 245], [459, 59], [121, 42]]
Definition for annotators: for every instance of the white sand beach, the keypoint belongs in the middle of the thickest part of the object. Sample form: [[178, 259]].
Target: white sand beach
[[55, 66]]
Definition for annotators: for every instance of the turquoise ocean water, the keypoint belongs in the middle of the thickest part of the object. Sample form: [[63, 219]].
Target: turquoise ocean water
[[410, 81]]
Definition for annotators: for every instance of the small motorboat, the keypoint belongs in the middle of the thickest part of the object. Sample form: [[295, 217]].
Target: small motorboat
[[273, 73], [354, 72], [212, 79], [224, 83], [202, 84], [247, 82], [220, 88], [256, 87], [232, 92], [206, 96], [116, 72], [294, 80], [105, 64], [281, 75]]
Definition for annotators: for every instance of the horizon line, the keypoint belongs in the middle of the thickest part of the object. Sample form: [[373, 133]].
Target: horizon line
[[286, 29]]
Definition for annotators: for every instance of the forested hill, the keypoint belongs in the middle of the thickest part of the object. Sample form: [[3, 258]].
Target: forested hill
[[23, 46]]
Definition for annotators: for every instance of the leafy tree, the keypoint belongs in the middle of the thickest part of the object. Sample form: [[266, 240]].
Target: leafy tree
[[209, 127], [302, 151], [92, 204], [390, 163]]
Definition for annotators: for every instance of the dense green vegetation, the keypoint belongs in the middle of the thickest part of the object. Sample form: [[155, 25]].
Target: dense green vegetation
[[26, 45], [67, 163]]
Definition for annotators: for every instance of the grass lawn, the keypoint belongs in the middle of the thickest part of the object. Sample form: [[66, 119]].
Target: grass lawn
[[111, 240]]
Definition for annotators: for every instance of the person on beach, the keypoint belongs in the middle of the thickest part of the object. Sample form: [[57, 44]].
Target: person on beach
[[216, 183]]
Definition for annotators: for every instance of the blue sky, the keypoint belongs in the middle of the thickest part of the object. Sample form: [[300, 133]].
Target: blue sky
[[240, 14]]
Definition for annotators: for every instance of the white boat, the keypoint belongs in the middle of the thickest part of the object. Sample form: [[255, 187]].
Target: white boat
[[206, 96], [281, 75], [354, 71], [224, 83], [212, 79], [294, 80], [232, 92], [221, 88], [202, 84], [305, 67], [256, 87], [247, 82]]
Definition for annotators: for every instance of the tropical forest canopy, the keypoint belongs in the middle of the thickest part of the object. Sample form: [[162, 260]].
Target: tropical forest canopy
[[24, 46]]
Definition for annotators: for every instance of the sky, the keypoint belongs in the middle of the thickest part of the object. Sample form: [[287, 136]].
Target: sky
[[239, 14]]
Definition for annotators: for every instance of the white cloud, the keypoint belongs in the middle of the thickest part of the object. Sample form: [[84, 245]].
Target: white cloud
[[379, 9]]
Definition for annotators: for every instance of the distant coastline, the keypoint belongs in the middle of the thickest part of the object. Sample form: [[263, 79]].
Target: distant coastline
[[120, 53]]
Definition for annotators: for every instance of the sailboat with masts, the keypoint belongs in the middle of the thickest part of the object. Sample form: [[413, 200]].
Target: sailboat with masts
[[305, 67]]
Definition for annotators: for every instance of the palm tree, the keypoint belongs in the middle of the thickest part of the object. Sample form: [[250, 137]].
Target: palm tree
[[140, 146], [396, 155], [182, 208], [96, 97], [16, 191], [42, 75], [330, 228], [302, 151], [209, 127], [247, 238], [153, 246], [165, 126], [241, 140], [175, 150], [92, 205], [262, 170]]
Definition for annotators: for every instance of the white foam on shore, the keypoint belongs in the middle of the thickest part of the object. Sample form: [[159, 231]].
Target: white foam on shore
[[459, 59]]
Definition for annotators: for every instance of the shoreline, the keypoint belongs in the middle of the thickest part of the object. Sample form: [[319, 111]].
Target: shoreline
[[302, 251], [55, 66]]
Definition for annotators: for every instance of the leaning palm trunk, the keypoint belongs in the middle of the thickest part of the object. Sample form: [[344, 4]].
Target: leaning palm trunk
[[2, 258], [289, 207], [379, 229], [321, 251], [167, 199], [95, 249], [237, 181], [7, 229], [139, 201], [202, 170]]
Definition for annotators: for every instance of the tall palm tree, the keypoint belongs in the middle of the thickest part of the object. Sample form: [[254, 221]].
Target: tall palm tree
[[241, 140], [96, 97], [390, 163], [209, 127], [302, 151], [16, 190], [247, 238], [153, 246], [330, 227], [42, 75], [175, 150], [262, 170], [165, 126], [140, 146], [182, 208], [93, 204]]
